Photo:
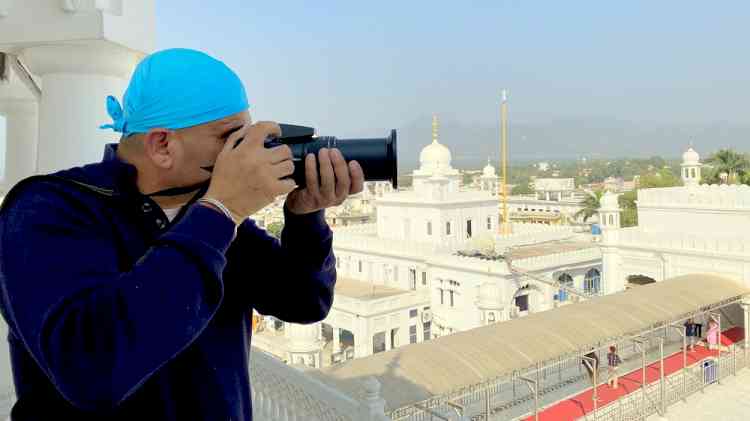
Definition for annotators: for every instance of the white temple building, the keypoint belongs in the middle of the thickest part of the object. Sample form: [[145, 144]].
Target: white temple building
[[401, 280]]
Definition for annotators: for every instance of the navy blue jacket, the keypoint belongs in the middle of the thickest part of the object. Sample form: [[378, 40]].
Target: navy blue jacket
[[116, 314]]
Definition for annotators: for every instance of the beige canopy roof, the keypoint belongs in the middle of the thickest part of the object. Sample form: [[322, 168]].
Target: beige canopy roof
[[417, 372]]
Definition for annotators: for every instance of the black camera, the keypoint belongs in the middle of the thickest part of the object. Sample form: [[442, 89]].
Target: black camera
[[376, 156]]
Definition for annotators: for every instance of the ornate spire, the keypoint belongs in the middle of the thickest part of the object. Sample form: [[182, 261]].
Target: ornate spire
[[434, 128]]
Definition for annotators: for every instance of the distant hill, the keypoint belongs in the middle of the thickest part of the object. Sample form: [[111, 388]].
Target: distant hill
[[566, 139]]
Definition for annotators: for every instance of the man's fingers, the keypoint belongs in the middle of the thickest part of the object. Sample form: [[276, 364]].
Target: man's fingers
[[327, 179], [257, 134], [357, 176], [341, 170], [280, 153], [282, 169], [312, 182], [286, 186]]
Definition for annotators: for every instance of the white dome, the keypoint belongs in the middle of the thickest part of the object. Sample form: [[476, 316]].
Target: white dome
[[488, 171], [691, 157], [434, 156]]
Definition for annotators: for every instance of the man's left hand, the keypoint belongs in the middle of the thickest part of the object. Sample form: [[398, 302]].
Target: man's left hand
[[336, 181]]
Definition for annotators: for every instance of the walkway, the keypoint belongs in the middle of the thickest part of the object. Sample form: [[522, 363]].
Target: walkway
[[577, 406]]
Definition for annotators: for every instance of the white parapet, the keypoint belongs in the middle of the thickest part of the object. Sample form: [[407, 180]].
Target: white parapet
[[281, 392]]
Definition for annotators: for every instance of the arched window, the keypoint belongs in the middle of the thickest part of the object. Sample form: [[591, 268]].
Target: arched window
[[567, 280], [592, 281]]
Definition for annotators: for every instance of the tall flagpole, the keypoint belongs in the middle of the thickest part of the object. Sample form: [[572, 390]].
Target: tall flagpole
[[505, 228]]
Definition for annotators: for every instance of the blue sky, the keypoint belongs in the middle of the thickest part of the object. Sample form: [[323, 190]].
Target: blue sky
[[344, 66]]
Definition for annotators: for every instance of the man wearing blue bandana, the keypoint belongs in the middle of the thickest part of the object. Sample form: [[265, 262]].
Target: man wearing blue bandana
[[127, 284]]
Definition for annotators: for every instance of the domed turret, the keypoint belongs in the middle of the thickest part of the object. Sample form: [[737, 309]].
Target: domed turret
[[488, 171], [691, 157], [691, 168], [435, 157]]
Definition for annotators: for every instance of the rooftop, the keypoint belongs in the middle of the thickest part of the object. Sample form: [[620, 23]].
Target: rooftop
[[365, 291]]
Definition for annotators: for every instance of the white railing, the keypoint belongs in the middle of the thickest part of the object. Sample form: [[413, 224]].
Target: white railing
[[677, 386], [684, 241], [284, 393], [704, 196]]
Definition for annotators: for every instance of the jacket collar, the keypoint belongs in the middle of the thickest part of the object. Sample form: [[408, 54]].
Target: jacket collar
[[110, 177]]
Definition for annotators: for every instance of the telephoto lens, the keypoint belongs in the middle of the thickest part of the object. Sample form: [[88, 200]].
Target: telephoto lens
[[376, 156]]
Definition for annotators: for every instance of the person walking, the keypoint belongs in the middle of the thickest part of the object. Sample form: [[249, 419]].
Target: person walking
[[613, 362]]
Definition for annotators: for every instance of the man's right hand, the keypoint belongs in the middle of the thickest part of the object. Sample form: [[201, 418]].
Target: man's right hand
[[249, 177]]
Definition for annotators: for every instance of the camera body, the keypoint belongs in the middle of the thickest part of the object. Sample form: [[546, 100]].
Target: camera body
[[377, 156]]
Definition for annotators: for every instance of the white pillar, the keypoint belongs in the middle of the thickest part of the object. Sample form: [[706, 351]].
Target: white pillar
[[547, 194], [76, 80], [21, 139]]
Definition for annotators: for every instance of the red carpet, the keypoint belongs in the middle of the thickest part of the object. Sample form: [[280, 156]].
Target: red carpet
[[581, 404]]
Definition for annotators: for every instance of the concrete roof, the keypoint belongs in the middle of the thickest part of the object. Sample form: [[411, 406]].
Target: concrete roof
[[448, 364], [553, 247], [364, 291]]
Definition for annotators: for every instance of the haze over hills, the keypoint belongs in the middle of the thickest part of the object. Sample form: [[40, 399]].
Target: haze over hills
[[565, 138]]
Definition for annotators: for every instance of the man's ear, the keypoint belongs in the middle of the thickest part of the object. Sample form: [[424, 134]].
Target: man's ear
[[155, 144]]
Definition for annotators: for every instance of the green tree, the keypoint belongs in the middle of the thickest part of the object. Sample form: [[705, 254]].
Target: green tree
[[274, 228], [736, 165], [522, 188], [659, 179], [590, 205], [629, 214]]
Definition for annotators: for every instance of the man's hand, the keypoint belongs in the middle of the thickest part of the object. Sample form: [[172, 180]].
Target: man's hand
[[336, 181], [249, 177]]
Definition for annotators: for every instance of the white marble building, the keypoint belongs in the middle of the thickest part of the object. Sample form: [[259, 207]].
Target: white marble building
[[401, 280], [690, 229]]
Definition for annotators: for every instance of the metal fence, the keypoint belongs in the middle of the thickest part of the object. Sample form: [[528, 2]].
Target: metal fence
[[677, 386]]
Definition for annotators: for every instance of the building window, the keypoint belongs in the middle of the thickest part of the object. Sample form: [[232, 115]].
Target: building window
[[451, 292], [426, 326], [611, 220], [468, 228], [592, 281], [442, 300], [522, 302], [686, 173], [489, 223], [447, 228], [413, 313], [413, 279], [360, 266], [429, 228], [413, 334], [378, 342], [491, 317], [424, 278], [566, 280], [692, 172]]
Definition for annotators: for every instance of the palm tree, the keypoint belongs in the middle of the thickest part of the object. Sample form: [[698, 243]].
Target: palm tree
[[590, 205], [735, 164]]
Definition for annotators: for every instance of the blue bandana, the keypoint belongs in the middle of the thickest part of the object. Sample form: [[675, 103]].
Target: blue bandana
[[175, 89]]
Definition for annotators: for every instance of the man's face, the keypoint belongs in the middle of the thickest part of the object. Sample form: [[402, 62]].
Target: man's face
[[197, 147]]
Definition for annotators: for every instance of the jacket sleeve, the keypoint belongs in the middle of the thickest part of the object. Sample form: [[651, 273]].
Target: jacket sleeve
[[292, 279], [98, 332]]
